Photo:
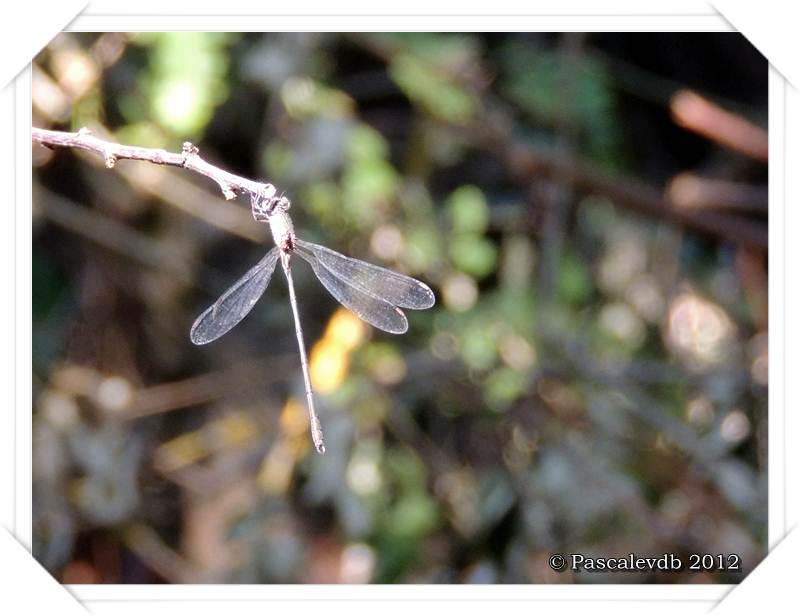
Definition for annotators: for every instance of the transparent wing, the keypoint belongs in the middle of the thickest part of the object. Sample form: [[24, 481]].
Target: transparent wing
[[379, 282], [235, 303], [373, 310]]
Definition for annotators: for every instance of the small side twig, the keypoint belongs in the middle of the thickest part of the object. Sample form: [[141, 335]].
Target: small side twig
[[188, 158]]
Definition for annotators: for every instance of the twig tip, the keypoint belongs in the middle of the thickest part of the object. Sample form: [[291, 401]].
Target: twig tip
[[228, 191]]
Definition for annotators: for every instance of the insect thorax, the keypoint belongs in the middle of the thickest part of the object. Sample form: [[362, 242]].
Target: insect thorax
[[282, 230], [273, 209]]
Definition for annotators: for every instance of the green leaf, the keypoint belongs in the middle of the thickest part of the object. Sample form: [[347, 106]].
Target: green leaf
[[473, 254], [574, 284], [365, 185], [467, 209], [365, 143], [304, 98], [503, 386], [556, 88], [277, 159], [423, 248], [413, 516], [186, 79], [478, 348], [432, 90]]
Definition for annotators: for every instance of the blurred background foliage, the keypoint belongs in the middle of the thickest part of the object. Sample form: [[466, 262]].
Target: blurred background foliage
[[590, 210]]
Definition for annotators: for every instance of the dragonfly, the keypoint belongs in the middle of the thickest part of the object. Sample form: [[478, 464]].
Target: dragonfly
[[375, 294]]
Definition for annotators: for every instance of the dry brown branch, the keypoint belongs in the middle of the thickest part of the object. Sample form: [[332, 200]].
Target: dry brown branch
[[178, 191], [188, 158]]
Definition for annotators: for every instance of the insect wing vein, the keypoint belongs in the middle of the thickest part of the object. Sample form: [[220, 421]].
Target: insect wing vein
[[235, 303], [374, 310], [379, 282]]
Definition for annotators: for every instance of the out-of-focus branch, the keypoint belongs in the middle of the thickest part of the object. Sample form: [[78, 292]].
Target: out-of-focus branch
[[528, 162], [175, 395], [701, 116], [110, 234], [188, 158], [559, 199], [689, 190], [494, 129], [143, 541]]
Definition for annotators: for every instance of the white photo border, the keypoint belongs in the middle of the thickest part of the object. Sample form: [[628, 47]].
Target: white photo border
[[105, 595]]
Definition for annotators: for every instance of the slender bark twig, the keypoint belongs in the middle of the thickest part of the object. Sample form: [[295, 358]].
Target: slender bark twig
[[188, 158]]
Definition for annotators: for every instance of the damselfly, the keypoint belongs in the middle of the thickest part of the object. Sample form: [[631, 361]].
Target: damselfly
[[375, 294]]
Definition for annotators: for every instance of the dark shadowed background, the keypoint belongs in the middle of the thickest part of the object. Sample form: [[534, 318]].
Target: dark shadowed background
[[591, 212]]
